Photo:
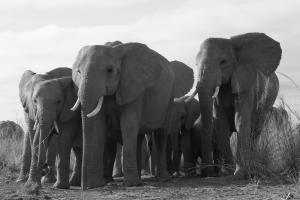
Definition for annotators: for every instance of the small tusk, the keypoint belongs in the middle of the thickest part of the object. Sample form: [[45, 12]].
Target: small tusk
[[216, 92], [97, 109], [35, 125], [56, 126], [76, 105]]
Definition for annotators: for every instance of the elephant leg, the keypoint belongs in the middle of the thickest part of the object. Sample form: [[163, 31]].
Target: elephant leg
[[176, 153], [75, 179], [130, 121], [35, 173], [118, 172], [63, 165], [139, 153], [109, 159], [221, 141], [243, 107], [169, 155], [50, 160], [161, 142], [26, 155], [145, 156], [152, 152], [187, 150]]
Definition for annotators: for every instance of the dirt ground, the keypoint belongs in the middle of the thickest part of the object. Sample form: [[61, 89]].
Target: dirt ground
[[177, 188]]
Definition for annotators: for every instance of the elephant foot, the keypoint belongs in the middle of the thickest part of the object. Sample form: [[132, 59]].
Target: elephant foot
[[61, 185], [75, 180], [22, 178], [118, 174], [178, 174], [94, 182], [49, 178], [132, 181], [163, 176], [208, 172], [109, 180], [31, 186], [240, 174], [226, 171]]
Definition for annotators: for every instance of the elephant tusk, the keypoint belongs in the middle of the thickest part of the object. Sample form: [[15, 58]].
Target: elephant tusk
[[97, 109], [56, 126], [76, 105], [35, 125], [191, 97], [216, 92]]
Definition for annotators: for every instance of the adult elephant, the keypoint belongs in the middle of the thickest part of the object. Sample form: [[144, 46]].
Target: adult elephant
[[141, 81], [236, 85], [46, 99]]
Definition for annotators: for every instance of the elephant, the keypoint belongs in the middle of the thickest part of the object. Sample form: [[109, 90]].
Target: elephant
[[141, 81], [46, 99], [181, 118], [236, 86]]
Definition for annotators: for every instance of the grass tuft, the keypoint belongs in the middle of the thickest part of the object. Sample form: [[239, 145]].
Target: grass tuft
[[11, 146]]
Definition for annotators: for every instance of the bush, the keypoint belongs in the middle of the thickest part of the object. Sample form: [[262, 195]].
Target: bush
[[11, 145]]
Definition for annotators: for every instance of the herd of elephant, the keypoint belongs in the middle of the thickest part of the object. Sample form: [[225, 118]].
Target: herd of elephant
[[120, 92]]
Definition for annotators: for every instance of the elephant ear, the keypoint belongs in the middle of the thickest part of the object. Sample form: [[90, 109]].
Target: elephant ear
[[70, 97], [140, 69], [256, 53], [25, 89], [184, 78]]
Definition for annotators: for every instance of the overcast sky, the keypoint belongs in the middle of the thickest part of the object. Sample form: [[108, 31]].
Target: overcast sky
[[40, 35]]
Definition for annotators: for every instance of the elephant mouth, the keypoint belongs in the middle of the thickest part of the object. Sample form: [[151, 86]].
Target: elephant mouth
[[110, 90]]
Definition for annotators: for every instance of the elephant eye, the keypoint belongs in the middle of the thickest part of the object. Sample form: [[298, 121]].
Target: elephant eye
[[222, 62], [109, 70]]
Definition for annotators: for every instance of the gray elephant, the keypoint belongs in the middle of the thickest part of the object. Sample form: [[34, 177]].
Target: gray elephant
[[236, 85], [46, 99], [181, 118], [141, 81]]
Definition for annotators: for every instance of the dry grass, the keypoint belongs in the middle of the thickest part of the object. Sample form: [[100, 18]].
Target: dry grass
[[275, 152], [11, 148]]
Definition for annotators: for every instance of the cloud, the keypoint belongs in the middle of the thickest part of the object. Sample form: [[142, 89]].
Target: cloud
[[42, 35]]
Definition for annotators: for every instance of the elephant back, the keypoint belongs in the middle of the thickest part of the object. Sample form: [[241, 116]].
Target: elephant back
[[184, 78], [59, 73]]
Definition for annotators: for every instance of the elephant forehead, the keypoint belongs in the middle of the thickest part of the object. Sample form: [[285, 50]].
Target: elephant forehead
[[47, 90], [213, 47]]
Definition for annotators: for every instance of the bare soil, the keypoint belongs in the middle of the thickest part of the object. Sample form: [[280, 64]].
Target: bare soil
[[176, 188]]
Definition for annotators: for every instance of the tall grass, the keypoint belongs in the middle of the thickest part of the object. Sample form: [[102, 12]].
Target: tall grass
[[275, 152], [11, 146]]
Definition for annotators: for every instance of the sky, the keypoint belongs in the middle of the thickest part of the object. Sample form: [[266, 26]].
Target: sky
[[41, 35]]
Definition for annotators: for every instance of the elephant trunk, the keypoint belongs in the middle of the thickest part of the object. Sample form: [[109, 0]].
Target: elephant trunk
[[45, 124], [207, 88], [90, 91]]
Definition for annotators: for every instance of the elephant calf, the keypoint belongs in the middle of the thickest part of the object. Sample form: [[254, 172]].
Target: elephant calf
[[46, 100]]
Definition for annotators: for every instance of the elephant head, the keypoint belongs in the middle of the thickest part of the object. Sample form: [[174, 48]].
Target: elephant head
[[47, 100]]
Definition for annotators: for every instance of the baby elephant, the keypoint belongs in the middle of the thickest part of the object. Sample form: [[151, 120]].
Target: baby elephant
[[222, 156], [46, 100]]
